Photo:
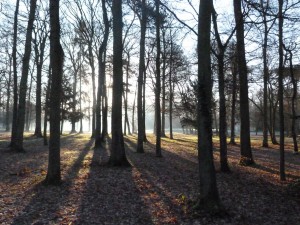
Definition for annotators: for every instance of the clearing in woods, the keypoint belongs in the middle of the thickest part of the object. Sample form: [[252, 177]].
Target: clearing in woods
[[153, 191]]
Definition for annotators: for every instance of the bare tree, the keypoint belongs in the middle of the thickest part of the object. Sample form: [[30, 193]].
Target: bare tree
[[209, 197], [157, 82], [17, 140], [118, 156], [246, 152], [56, 64]]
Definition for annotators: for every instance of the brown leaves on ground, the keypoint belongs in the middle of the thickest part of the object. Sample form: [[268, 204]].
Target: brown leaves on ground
[[153, 191]]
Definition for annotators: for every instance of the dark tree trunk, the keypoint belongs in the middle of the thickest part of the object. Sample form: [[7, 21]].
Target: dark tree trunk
[[163, 99], [7, 115], [222, 116], [133, 112], [233, 102], [56, 63], [28, 106], [117, 156], [46, 112], [222, 100], [144, 108], [101, 77], [209, 197], [246, 152], [39, 60], [125, 96], [266, 78], [294, 98], [80, 95], [157, 82], [280, 91], [141, 82], [17, 143], [15, 76], [171, 91]]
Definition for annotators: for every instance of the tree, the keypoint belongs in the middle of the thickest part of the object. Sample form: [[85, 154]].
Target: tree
[[157, 82], [246, 152], [56, 64], [117, 149], [294, 98], [222, 99], [280, 90], [209, 197], [39, 41], [17, 140], [141, 82], [101, 79], [15, 75]]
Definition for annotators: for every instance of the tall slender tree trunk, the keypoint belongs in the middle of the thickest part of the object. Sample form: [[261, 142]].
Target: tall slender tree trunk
[[266, 76], [246, 152], [15, 76], [117, 150], [39, 60], [73, 121], [56, 63], [7, 115], [133, 112], [171, 91], [222, 115], [163, 99], [144, 107], [28, 105], [233, 102], [209, 197], [46, 112], [17, 143], [294, 98], [101, 78], [125, 95], [157, 82], [141, 82], [280, 91]]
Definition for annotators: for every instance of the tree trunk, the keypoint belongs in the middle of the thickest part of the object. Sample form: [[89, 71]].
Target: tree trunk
[[46, 112], [163, 99], [117, 156], [246, 152], [233, 102], [101, 77], [222, 115], [15, 76], [266, 78], [125, 95], [171, 91], [222, 100], [7, 115], [56, 63], [280, 91], [141, 82], [157, 82], [133, 112], [28, 106], [209, 197], [294, 98], [17, 143], [39, 60]]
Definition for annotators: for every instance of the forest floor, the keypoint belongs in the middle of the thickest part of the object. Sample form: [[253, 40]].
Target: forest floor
[[152, 191]]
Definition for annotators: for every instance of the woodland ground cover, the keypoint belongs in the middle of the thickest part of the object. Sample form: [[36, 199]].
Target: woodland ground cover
[[152, 191]]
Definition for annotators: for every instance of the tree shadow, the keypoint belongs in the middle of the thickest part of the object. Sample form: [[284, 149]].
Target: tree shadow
[[110, 195], [43, 205]]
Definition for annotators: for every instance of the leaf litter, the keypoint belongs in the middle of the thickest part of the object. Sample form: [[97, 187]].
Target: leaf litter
[[152, 191]]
